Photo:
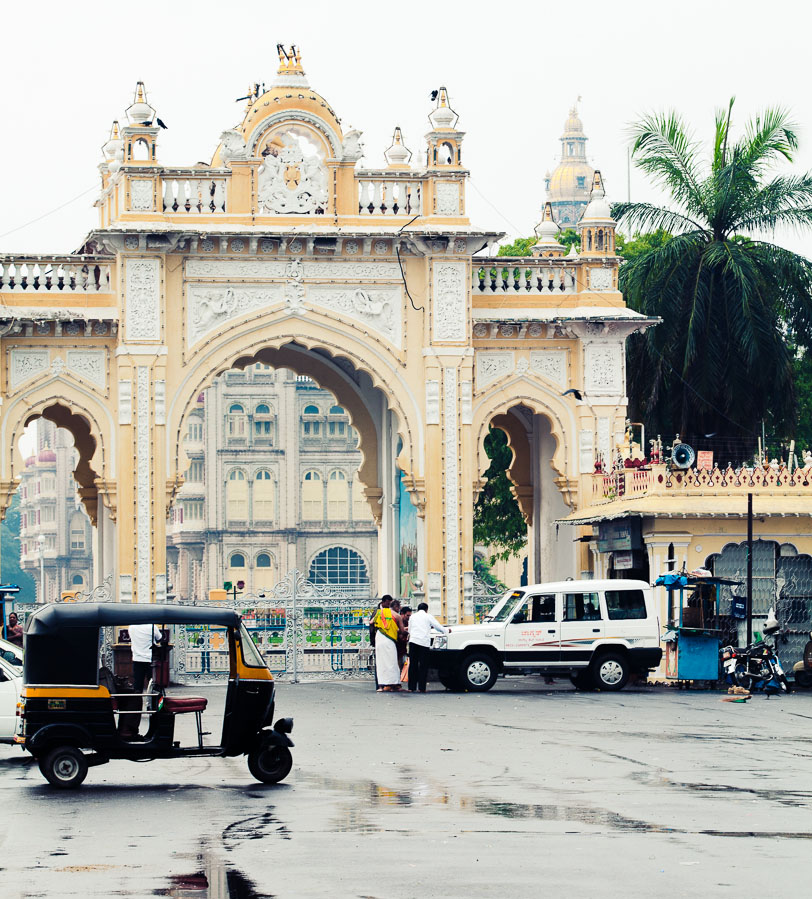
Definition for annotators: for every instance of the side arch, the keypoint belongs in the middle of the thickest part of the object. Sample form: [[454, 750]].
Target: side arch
[[89, 421]]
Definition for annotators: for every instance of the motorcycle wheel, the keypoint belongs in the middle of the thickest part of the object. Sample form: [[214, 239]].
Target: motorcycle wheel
[[742, 678]]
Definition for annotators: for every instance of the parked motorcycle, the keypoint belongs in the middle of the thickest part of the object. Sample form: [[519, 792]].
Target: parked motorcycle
[[802, 671], [756, 667]]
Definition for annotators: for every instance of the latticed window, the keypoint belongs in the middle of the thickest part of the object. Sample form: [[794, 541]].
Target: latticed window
[[237, 496], [340, 566], [195, 432], [196, 472], [337, 498], [311, 424], [264, 490], [312, 497], [193, 510]]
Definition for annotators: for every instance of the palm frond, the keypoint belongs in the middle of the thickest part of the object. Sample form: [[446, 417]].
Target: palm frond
[[648, 217]]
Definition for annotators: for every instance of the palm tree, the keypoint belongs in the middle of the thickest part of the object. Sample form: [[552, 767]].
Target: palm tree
[[735, 307]]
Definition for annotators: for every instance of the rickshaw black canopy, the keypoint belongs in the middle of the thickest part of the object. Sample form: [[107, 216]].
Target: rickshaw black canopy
[[51, 619]]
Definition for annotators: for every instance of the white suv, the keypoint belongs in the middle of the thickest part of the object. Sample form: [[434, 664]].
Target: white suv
[[596, 632]]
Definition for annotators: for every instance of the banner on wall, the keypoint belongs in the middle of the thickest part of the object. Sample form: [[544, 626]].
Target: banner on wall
[[407, 539]]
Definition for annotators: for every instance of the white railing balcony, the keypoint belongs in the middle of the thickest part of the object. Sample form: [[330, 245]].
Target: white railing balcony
[[517, 275], [389, 193], [187, 193], [54, 274]]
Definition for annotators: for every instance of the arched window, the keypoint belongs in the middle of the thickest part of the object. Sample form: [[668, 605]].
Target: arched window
[[311, 427], [78, 533], [264, 572], [237, 423], [311, 410], [264, 495], [340, 566], [77, 580], [237, 496], [263, 422], [237, 560], [600, 239], [337, 410], [263, 560], [312, 497], [337, 427], [337, 498]]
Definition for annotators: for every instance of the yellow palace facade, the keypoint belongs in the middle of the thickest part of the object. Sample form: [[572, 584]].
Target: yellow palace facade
[[285, 251]]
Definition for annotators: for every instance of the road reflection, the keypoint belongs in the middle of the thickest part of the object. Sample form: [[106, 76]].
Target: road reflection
[[213, 880]]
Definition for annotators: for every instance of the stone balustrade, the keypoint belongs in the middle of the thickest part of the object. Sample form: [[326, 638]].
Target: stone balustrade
[[630, 483], [505, 275], [37, 275], [189, 193], [387, 193]]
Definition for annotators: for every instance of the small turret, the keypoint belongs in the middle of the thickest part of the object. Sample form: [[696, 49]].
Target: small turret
[[597, 227], [547, 233], [140, 135], [444, 141], [397, 156]]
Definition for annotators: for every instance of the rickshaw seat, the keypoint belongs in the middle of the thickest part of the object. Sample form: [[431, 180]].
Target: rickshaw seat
[[176, 705]]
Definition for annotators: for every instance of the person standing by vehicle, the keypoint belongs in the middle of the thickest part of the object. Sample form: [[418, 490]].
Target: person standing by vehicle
[[14, 630], [388, 626], [142, 638], [421, 624]]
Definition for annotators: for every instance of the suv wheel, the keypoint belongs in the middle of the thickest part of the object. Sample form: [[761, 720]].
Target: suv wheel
[[582, 680], [449, 680], [478, 672], [611, 671]]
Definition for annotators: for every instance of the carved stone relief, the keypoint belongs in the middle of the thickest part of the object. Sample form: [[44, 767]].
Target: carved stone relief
[[91, 365], [125, 402], [141, 195], [466, 402], [432, 402], [446, 198], [142, 300], [586, 451], [600, 279], [603, 368], [550, 364], [25, 364], [160, 402], [604, 441], [273, 269], [292, 183], [209, 306], [449, 301], [378, 308], [492, 366]]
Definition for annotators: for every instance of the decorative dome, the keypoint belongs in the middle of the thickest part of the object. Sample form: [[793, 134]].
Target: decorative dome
[[30, 461], [597, 209], [568, 186], [140, 113], [547, 234], [573, 127], [46, 455], [290, 100], [397, 156], [443, 117]]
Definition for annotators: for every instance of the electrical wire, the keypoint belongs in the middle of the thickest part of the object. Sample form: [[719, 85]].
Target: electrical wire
[[44, 215], [402, 273]]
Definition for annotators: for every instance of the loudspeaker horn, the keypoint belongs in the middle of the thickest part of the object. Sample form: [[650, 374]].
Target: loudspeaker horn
[[683, 456]]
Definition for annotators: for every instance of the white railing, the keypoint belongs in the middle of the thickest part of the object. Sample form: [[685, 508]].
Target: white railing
[[54, 274], [509, 274], [382, 194], [192, 194]]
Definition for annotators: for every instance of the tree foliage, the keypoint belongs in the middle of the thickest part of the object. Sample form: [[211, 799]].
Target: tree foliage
[[10, 570], [520, 247], [732, 304], [498, 521]]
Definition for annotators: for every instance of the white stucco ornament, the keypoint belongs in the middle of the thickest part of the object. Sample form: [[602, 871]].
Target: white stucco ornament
[[600, 279], [291, 183], [233, 146]]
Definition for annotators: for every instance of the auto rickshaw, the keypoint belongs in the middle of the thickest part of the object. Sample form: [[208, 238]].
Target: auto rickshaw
[[68, 710]]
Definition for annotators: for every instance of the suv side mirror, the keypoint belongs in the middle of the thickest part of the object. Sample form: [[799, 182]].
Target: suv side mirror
[[518, 618]]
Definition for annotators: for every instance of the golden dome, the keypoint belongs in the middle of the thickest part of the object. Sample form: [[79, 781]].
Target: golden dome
[[571, 180], [573, 127]]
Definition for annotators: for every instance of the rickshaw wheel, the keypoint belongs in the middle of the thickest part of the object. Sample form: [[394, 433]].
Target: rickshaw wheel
[[271, 764], [64, 767]]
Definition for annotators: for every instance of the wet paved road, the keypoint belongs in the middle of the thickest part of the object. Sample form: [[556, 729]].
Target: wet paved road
[[524, 791]]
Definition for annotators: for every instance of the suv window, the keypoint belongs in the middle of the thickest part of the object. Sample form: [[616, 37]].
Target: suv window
[[625, 604], [535, 608], [582, 607]]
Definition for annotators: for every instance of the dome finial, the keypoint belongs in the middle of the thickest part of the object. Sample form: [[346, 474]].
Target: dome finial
[[547, 233], [290, 60], [397, 155], [140, 112], [443, 117]]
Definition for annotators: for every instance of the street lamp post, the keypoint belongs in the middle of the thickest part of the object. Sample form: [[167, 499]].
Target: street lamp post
[[41, 541]]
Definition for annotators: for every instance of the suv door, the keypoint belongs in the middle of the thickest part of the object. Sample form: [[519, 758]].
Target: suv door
[[532, 635], [9, 694], [581, 626]]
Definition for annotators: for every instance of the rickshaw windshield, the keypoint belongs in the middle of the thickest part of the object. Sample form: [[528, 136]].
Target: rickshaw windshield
[[251, 656], [69, 657]]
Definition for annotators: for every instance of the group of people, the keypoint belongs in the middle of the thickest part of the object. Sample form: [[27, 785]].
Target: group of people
[[401, 639]]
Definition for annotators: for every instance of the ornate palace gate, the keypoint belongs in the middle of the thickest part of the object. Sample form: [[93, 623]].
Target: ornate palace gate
[[285, 250]]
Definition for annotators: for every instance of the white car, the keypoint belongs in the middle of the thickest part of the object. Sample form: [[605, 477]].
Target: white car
[[596, 632], [11, 653], [10, 684]]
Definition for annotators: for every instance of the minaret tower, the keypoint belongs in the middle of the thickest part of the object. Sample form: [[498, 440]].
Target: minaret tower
[[597, 227]]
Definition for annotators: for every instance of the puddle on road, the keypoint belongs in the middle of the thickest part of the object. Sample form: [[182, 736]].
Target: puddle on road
[[213, 879], [369, 795]]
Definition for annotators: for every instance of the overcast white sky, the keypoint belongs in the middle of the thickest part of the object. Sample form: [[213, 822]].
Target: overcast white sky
[[67, 70]]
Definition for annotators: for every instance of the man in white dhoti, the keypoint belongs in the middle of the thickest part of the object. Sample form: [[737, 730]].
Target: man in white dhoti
[[388, 626]]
